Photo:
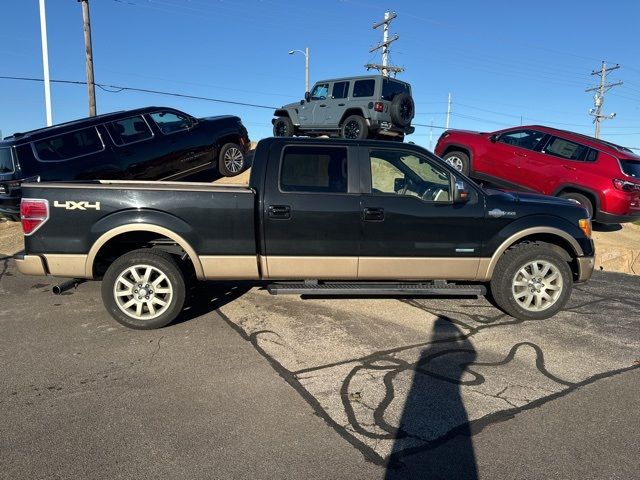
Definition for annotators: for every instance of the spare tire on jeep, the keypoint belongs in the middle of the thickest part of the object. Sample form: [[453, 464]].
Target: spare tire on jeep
[[402, 110]]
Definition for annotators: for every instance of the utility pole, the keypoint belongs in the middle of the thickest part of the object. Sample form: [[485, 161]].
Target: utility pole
[[385, 68], [45, 63], [598, 97], [89, 57], [448, 111]]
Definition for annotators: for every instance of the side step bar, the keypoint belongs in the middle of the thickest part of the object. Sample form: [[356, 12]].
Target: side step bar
[[376, 289]]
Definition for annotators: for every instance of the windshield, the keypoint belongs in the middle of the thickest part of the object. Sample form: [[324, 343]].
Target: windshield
[[6, 161], [631, 167]]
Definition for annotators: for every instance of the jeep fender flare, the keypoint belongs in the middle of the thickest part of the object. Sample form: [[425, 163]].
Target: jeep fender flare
[[283, 112], [143, 221], [355, 111]]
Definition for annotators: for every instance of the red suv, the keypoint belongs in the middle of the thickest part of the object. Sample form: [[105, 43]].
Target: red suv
[[603, 177]]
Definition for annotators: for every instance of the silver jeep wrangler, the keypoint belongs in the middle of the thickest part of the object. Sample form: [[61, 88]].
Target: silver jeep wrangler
[[372, 106]]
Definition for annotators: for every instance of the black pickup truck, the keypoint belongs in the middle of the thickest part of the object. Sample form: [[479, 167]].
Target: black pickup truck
[[320, 216]]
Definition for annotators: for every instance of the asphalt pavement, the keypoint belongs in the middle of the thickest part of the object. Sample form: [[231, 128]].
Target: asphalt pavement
[[248, 385]]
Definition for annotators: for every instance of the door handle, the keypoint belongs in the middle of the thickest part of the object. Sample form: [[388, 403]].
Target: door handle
[[373, 214], [279, 211], [341, 104], [569, 167], [520, 154], [322, 105]]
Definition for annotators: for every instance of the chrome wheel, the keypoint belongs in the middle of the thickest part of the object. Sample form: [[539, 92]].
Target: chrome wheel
[[537, 285], [233, 160], [455, 162], [143, 292]]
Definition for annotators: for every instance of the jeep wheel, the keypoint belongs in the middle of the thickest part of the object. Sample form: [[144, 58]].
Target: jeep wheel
[[402, 110], [581, 199], [144, 289], [231, 160], [283, 127], [355, 127], [531, 281], [458, 160]]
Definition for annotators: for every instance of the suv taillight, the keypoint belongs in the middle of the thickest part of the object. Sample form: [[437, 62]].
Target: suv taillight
[[33, 214], [378, 106], [626, 186]]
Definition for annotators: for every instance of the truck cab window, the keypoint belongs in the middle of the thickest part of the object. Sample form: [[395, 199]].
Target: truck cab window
[[313, 169], [404, 173]]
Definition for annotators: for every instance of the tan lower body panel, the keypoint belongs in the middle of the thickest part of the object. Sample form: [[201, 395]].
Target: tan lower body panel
[[230, 267], [31, 265], [293, 268], [421, 268], [66, 265]]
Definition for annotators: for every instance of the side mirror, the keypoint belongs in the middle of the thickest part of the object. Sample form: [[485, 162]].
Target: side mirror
[[307, 96], [494, 138], [460, 192], [399, 184]]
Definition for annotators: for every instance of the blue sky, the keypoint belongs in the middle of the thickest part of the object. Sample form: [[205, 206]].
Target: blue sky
[[501, 60]]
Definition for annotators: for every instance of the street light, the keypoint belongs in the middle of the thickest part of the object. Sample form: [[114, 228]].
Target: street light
[[306, 66]]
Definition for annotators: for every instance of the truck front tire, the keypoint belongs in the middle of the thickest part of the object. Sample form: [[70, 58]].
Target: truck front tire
[[531, 281], [144, 289]]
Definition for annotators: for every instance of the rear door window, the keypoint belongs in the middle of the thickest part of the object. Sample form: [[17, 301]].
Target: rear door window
[[364, 88], [129, 130], [529, 139], [562, 148], [340, 90], [313, 169], [169, 122], [6, 160], [69, 145]]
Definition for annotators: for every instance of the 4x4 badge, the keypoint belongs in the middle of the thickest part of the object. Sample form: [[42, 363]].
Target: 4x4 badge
[[71, 205], [496, 212]]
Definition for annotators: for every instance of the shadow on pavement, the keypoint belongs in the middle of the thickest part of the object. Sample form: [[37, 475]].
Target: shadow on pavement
[[433, 404], [601, 227], [206, 297]]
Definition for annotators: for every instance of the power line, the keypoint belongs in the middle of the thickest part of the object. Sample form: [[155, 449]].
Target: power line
[[120, 88]]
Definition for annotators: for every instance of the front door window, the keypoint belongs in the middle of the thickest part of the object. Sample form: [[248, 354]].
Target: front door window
[[404, 173]]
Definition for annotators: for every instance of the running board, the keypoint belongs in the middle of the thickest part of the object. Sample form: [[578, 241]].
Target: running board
[[376, 289]]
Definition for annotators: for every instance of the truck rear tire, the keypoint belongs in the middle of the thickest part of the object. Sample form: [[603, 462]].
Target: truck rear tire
[[354, 127], [531, 281], [283, 127], [231, 161], [144, 289]]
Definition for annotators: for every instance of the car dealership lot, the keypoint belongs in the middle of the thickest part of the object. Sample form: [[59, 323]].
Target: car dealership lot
[[249, 385]]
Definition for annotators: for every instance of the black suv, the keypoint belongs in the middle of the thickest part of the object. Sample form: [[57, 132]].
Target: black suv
[[152, 143]]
